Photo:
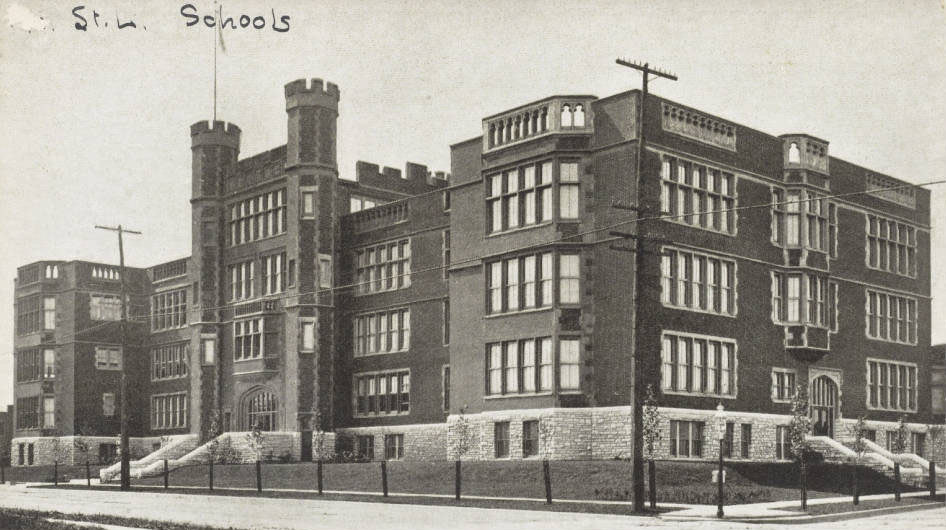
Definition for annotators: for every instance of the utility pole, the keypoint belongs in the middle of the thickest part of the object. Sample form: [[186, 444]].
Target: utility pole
[[637, 469], [125, 458]]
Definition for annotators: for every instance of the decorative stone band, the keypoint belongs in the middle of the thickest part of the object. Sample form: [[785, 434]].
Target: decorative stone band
[[698, 127]]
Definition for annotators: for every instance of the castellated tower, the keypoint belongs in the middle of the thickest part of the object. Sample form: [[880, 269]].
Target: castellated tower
[[215, 148], [313, 111], [311, 172]]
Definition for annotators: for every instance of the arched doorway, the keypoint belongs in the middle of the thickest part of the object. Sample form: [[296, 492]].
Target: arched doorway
[[260, 407], [824, 405]]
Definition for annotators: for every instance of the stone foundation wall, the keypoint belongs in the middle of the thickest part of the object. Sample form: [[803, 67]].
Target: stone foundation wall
[[75, 450], [421, 441]]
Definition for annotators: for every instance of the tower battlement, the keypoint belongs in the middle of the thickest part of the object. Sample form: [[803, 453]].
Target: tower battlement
[[216, 132], [311, 93]]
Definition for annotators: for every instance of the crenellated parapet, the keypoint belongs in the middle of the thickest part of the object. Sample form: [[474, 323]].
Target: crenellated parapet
[[312, 109], [312, 93], [414, 180], [216, 133]]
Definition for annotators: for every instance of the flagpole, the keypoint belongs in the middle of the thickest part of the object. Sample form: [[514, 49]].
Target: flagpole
[[214, 41]]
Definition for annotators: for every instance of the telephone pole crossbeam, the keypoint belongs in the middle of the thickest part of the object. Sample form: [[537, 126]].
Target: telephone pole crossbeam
[[125, 454], [637, 398]]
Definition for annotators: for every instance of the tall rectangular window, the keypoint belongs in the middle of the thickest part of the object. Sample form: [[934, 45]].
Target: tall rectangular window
[[169, 310], [273, 273], [695, 364], [247, 339], [49, 363], [445, 253], [307, 330], [686, 439], [383, 267], [783, 384], [170, 361], [569, 364], [445, 386], [383, 332], [519, 197], [530, 438], [242, 280], [891, 385], [569, 275], [519, 366], [891, 318], [511, 284], [783, 443], [891, 246], [746, 440], [49, 312], [29, 315], [446, 321], [698, 282], [568, 190], [393, 446], [49, 412], [169, 411], [697, 195], [803, 299], [260, 217], [30, 364], [501, 439], [381, 393]]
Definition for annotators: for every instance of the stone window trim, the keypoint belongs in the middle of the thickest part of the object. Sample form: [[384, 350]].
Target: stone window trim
[[256, 218], [307, 201], [886, 390], [382, 267], [520, 368], [108, 358], [307, 334], [885, 312], [814, 303], [723, 346], [170, 361], [372, 389], [530, 282], [249, 339], [671, 279], [394, 446], [169, 309], [802, 218], [781, 380], [698, 195], [374, 333], [169, 411], [687, 438], [890, 246]]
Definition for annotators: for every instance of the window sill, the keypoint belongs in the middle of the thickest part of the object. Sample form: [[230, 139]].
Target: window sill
[[702, 311], [882, 409], [524, 395], [380, 415], [519, 312], [383, 291], [697, 394], [888, 341], [519, 229], [240, 244], [674, 220], [165, 379], [375, 354]]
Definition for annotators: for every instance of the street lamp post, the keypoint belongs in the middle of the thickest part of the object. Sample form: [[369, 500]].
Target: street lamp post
[[721, 428]]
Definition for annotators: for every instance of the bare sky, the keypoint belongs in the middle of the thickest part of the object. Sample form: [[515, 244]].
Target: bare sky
[[95, 123]]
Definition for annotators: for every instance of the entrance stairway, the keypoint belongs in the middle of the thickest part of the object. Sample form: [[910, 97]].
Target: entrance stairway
[[914, 470], [235, 447]]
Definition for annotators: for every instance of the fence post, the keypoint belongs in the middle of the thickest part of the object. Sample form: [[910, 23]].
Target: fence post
[[548, 482], [259, 477], [320, 474], [211, 473], [457, 481], [3, 471], [165, 473], [932, 479], [384, 477], [55, 473], [88, 475], [652, 483], [856, 488], [896, 478]]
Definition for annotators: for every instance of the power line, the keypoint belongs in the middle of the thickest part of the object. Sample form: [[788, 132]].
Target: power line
[[573, 237]]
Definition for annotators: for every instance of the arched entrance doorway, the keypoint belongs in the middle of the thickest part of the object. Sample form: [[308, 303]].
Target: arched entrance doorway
[[824, 405], [260, 407]]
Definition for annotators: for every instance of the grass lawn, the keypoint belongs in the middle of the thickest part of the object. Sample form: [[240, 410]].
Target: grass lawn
[[45, 473], [848, 507], [683, 482], [34, 520]]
